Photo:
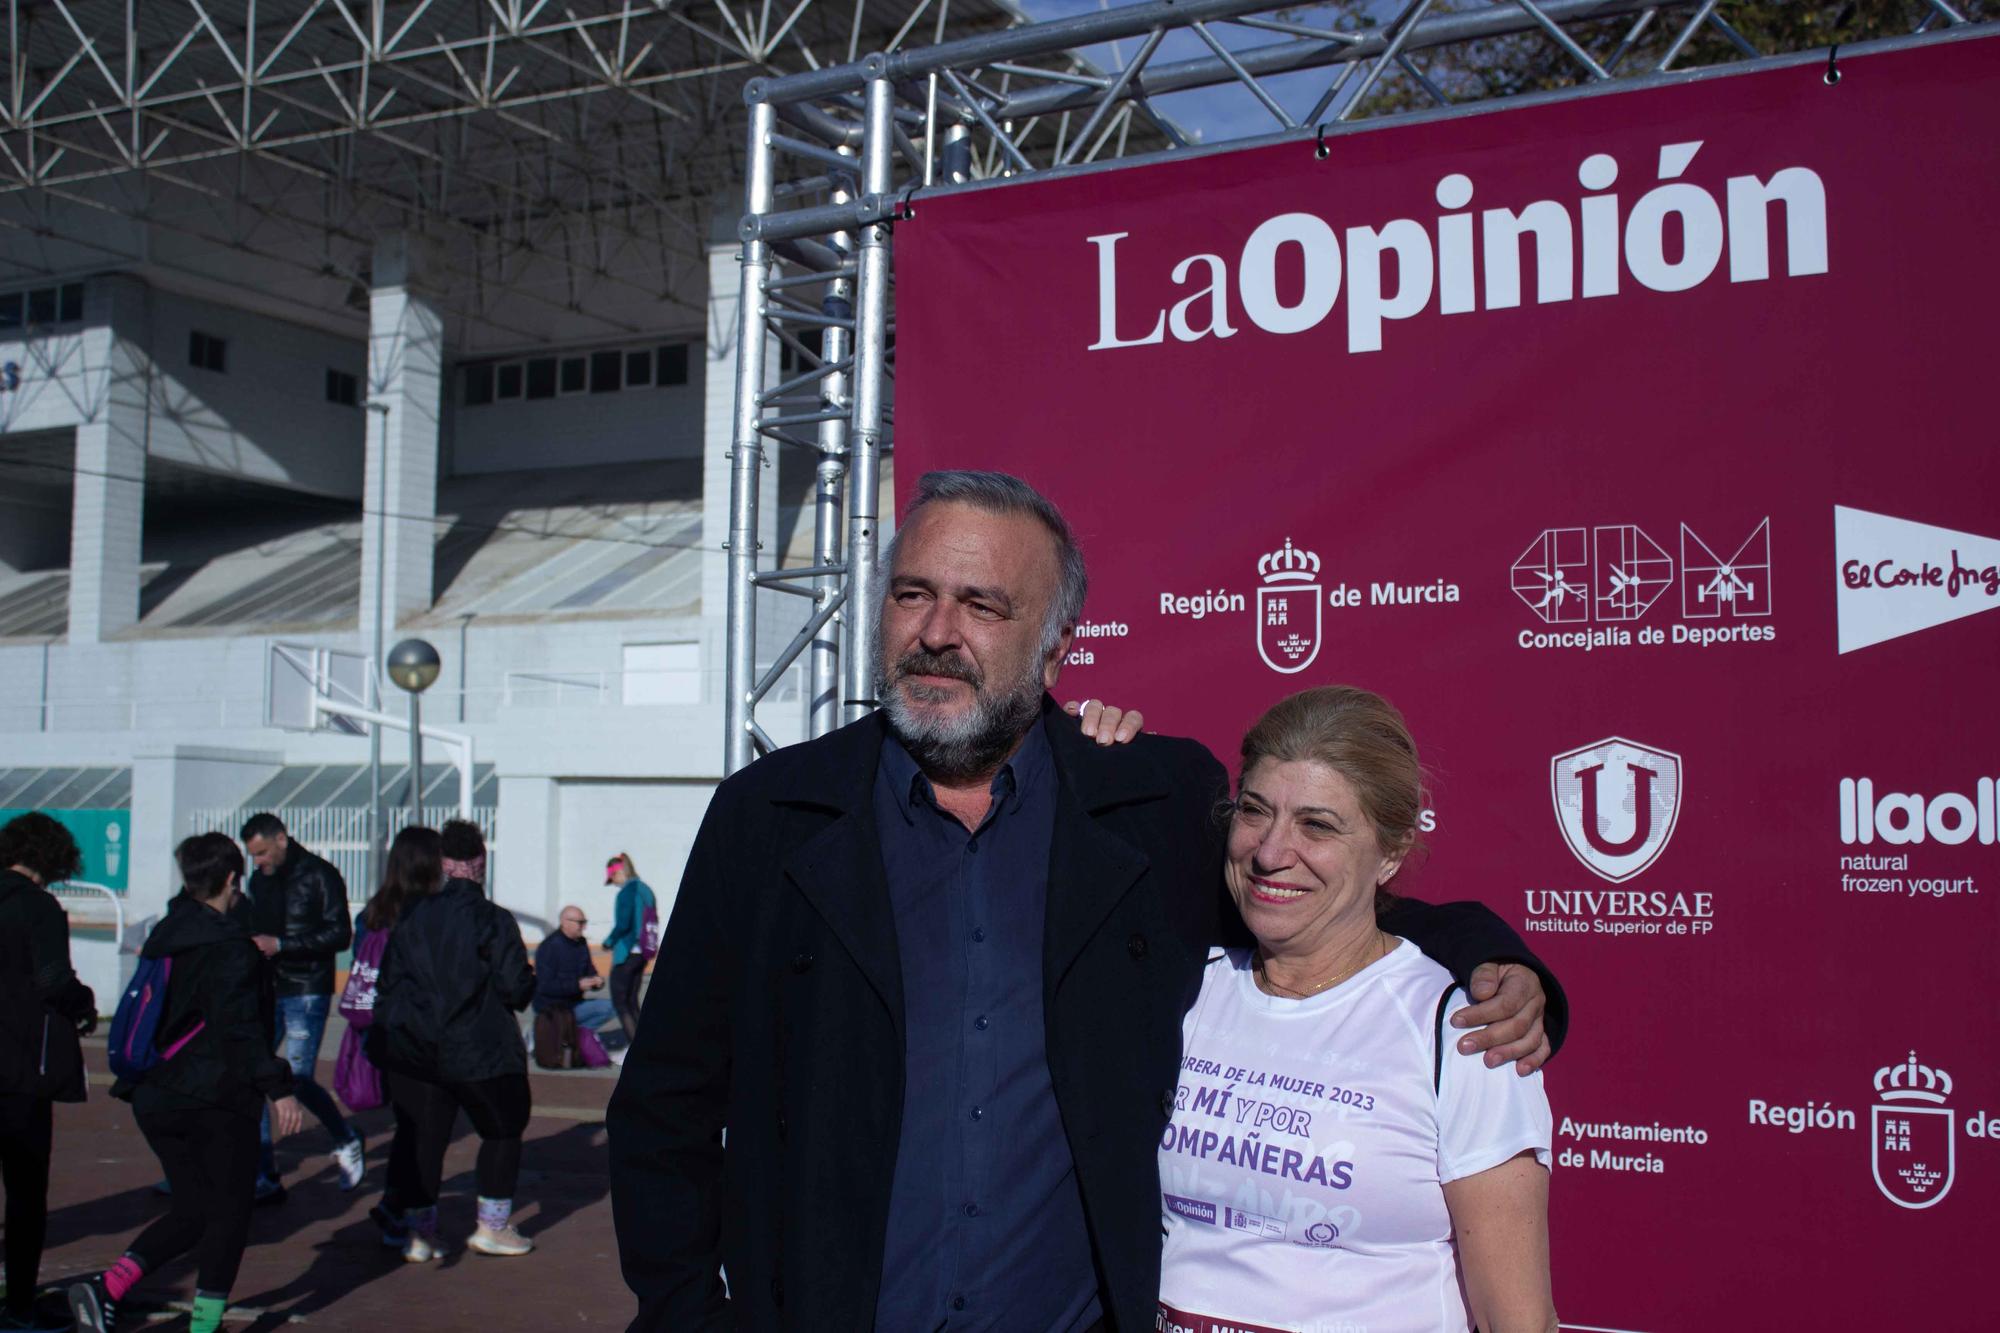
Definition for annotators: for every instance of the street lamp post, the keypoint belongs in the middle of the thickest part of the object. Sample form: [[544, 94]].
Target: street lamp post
[[413, 664]]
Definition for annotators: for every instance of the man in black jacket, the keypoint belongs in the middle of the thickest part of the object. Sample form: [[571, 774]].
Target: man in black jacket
[[43, 1008], [296, 910], [928, 975]]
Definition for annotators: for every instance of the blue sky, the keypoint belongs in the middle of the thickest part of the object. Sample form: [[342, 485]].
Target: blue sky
[[1224, 112]]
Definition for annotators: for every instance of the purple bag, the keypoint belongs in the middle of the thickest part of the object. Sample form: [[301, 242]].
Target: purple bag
[[356, 1081], [357, 997], [589, 1049], [649, 933]]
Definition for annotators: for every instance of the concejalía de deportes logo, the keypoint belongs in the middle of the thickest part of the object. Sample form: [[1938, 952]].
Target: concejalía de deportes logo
[[1597, 588]]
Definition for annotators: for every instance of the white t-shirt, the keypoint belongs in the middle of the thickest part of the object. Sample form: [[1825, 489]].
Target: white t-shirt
[[1302, 1174]]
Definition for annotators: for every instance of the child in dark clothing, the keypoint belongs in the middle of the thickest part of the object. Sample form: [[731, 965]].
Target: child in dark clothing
[[199, 1107]]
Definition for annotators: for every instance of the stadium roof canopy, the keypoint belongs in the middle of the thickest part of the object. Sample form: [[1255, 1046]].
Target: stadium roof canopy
[[563, 157]]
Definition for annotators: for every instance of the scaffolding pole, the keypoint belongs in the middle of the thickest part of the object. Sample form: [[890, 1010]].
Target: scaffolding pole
[[977, 113], [746, 454]]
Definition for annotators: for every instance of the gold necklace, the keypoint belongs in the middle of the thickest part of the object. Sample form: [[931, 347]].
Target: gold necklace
[[1264, 973]]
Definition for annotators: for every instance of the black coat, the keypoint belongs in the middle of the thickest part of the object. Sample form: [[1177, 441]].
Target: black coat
[[304, 905], [220, 982], [561, 964], [453, 976], [42, 1004], [776, 1013]]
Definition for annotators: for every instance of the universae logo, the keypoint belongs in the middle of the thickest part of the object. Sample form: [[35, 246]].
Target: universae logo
[[1616, 803]]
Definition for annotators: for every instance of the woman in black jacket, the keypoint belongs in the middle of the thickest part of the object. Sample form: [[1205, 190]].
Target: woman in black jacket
[[199, 1107], [43, 1009], [446, 1038]]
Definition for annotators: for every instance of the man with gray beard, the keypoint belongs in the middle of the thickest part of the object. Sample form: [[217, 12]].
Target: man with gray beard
[[928, 975]]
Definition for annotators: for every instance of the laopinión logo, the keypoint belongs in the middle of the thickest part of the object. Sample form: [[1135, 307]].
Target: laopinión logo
[[1617, 803], [1894, 577], [1594, 586], [1913, 1148]]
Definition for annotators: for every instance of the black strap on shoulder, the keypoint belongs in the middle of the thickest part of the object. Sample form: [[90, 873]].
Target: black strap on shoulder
[[1437, 1047]]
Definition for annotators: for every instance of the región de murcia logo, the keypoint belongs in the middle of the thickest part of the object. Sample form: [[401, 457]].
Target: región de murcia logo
[[1288, 609], [1914, 1148]]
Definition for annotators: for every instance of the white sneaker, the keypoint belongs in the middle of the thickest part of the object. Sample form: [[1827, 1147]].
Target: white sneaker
[[505, 1242], [618, 1056], [421, 1249], [352, 1159]]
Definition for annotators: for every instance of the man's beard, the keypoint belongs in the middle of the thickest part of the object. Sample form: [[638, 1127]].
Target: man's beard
[[972, 743]]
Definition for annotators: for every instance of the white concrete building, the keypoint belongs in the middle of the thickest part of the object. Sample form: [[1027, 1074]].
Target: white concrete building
[[187, 483], [418, 329]]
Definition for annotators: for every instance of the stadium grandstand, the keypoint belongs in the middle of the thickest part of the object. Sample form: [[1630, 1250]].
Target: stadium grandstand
[[331, 324]]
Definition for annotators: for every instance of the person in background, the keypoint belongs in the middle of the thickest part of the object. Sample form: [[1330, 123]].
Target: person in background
[[634, 938], [199, 1106], [412, 870], [565, 976], [446, 1039], [43, 1009], [296, 908]]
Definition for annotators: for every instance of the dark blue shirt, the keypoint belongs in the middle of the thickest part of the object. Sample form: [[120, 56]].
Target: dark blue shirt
[[986, 1225], [561, 964]]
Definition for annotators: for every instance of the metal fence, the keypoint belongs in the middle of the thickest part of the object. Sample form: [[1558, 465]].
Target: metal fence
[[98, 949], [340, 834]]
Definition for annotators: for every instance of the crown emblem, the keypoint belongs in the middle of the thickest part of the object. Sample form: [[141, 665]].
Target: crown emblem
[[1289, 565], [1911, 1081]]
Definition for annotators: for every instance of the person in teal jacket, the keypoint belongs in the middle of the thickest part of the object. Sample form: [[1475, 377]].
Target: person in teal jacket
[[634, 939]]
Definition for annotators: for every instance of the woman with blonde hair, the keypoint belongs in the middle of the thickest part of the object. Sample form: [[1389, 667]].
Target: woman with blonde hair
[[1331, 1156]]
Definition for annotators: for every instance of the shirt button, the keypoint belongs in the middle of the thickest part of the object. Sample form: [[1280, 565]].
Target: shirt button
[[958, 1302], [979, 934], [971, 1210], [978, 1112], [980, 1022], [972, 846]]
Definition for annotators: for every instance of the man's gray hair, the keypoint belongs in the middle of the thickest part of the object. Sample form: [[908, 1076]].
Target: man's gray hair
[[1004, 493]]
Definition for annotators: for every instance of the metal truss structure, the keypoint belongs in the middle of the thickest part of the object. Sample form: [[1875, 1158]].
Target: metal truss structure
[[560, 159], [836, 156]]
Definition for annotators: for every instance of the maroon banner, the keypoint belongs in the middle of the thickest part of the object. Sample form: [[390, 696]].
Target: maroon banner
[[1640, 447]]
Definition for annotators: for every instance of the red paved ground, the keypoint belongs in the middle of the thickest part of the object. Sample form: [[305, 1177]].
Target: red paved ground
[[316, 1261]]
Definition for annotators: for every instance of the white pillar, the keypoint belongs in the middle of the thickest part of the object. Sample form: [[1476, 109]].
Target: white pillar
[[525, 878], [107, 502], [399, 488]]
